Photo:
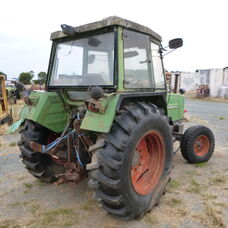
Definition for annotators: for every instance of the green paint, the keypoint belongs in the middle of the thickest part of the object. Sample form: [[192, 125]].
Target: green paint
[[101, 122], [175, 106], [15, 126], [47, 109], [51, 111], [120, 60]]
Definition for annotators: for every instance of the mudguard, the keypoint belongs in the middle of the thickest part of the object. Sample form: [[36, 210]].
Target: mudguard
[[45, 108], [48, 109]]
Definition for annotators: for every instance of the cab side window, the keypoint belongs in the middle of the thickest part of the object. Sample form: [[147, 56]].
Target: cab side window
[[157, 66], [137, 62]]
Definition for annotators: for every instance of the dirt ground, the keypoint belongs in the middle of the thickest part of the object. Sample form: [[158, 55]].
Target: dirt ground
[[197, 195]]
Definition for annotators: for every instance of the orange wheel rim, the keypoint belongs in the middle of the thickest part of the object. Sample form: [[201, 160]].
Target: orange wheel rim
[[201, 145], [148, 162]]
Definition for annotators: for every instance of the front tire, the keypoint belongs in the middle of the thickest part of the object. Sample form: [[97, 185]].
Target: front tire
[[129, 183], [197, 144]]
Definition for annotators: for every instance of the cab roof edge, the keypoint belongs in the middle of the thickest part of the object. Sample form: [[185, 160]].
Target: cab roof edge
[[108, 22]]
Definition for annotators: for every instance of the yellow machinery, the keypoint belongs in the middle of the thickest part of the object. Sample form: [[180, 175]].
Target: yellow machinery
[[5, 114]]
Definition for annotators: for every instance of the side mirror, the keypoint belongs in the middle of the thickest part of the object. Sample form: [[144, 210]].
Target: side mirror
[[175, 43]]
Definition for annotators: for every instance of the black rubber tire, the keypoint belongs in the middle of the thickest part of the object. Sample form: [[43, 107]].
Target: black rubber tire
[[110, 170], [187, 144], [39, 165], [17, 94]]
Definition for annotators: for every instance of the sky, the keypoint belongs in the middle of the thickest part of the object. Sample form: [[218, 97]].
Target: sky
[[26, 25]]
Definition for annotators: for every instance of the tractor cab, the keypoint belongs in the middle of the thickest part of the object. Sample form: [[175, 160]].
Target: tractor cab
[[114, 54]]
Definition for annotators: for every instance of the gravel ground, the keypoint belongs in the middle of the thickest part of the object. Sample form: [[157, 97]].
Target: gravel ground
[[197, 196]]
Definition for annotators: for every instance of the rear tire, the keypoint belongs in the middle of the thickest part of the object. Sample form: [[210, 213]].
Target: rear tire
[[39, 165], [197, 144], [116, 184]]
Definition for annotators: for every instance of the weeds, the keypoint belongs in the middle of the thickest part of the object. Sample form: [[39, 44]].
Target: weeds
[[174, 184], [51, 216], [28, 185], [174, 202], [218, 180], [195, 187], [201, 165], [151, 219], [39, 182], [193, 173], [214, 215], [88, 205], [182, 212], [208, 197], [13, 144], [21, 203], [34, 208], [8, 223]]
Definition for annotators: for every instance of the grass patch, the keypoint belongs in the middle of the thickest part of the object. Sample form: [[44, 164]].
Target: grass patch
[[195, 187], [193, 173], [151, 219], [28, 185], [52, 216], [40, 182], [13, 144], [208, 196], [21, 203], [174, 202], [174, 184], [182, 212], [34, 208], [21, 177], [201, 165], [218, 180], [88, 205], [214, 216], [9, 223]]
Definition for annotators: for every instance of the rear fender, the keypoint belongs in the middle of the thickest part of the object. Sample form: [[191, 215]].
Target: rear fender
[[47, 109], [101, 121]]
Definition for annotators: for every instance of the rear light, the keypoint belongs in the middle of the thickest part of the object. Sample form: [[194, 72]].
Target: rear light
[[185, 110], [92, 107]]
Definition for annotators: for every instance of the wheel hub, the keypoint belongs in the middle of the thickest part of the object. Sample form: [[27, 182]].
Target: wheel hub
[[201, 145], [147, 162]]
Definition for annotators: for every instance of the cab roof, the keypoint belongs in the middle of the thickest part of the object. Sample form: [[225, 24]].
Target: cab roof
[[108, 22]]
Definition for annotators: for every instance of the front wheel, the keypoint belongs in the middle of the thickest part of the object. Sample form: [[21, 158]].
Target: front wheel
[[197, 144], [133, 161]]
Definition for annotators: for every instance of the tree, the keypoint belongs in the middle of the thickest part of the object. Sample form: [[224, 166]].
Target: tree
[[25, 77], [42, 77]]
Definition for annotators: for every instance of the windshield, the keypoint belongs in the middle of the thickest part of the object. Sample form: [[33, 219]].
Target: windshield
[[84, 62]]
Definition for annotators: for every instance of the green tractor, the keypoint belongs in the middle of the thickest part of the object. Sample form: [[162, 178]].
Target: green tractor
[[107, 114]]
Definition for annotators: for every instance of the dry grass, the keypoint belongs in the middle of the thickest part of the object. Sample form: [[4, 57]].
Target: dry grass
[[13, 144], [151, 219], [61, 217], [88, 205], [174, 184], [28, 185], [174, 202], [196, 187], [201, 165]]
